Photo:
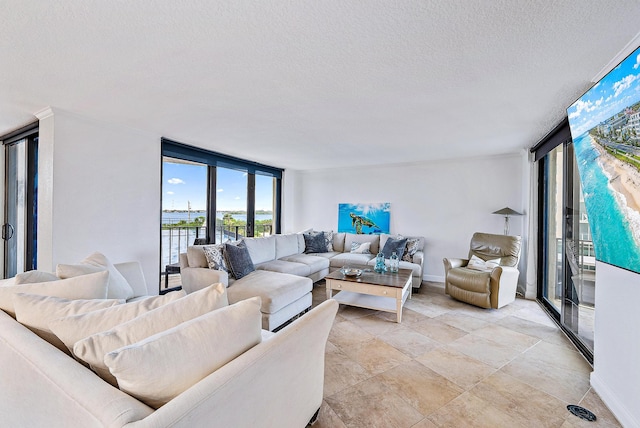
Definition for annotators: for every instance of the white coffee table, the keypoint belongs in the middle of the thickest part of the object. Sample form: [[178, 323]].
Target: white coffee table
[[380, 291]]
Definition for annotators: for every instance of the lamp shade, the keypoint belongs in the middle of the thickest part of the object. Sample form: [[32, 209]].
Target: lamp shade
[[506, 211]]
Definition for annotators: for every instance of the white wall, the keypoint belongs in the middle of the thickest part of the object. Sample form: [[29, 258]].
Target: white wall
[[616, 374], [99, 190], [445, 201]]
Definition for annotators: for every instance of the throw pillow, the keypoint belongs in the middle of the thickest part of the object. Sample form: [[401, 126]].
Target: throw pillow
[[31, 276], [215, 257], [119, 288], [73, 328], [315, 243], [238, 260], [328, 239], [92, 286], [36, 312], [93, 348], [396, 245], [476, 263], [187, 353], [411, 249], [361, 247]]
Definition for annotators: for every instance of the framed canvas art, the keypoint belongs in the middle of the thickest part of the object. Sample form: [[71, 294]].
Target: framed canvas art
[[364, 219]]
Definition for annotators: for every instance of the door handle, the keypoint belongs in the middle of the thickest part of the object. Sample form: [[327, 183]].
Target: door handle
[[7, 228]]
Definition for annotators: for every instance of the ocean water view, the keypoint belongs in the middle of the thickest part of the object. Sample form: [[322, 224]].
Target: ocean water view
[[613, 224], [176, 216]]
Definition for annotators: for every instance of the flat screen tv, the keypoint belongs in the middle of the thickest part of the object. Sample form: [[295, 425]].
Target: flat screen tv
[[605, 128]]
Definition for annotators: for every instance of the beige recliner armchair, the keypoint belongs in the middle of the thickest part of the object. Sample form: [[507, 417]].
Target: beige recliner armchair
[[490, 286]]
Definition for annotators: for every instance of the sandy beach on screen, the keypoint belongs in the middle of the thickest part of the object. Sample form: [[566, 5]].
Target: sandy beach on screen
[[625, 181], [624, 178]]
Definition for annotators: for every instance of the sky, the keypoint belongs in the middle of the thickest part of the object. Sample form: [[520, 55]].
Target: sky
[[617, 90], [185, 182]]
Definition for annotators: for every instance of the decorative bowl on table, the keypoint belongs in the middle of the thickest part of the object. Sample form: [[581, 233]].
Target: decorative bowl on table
[[351, 271]]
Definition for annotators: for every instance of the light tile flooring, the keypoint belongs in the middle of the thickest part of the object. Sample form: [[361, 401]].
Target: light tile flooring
[[450, 364]]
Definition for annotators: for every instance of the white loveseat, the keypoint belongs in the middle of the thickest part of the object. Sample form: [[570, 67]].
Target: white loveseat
[[285, 274], [278, 382]]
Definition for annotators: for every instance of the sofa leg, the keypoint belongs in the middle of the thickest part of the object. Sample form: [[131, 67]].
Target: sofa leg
[[415, 290], [314, 418]]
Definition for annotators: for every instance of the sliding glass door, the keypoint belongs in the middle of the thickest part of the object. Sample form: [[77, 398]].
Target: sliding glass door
[[20, 214], [567, 283]]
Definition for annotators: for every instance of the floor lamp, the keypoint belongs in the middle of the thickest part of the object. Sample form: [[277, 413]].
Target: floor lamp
[[506, 212]]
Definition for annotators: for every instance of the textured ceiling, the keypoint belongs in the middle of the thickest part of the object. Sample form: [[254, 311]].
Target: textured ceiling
[[313, 84]]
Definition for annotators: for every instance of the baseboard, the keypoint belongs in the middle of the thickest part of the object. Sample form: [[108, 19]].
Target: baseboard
[[433, 278], [611, 401]]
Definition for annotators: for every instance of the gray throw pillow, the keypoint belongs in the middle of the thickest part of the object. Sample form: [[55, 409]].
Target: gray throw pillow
[[394, 244], [315, 243], [238, 260]]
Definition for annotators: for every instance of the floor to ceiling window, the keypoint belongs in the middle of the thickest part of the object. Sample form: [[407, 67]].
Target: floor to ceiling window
[[209, 197], [566, 284], [19, 227]]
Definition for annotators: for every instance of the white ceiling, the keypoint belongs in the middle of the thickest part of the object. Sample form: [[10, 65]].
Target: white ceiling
[[313, 84]]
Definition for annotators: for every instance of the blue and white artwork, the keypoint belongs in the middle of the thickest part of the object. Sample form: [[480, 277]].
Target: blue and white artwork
[[364, 219]]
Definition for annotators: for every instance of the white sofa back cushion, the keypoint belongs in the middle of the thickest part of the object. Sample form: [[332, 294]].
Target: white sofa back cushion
[[92, 286], [352, 237], [36, 312], [286, 245], [261, 249], [196, 257], [93, 348], [73, 328], [187, 353]]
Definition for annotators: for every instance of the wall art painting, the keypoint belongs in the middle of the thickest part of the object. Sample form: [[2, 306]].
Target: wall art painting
[[364, 219]]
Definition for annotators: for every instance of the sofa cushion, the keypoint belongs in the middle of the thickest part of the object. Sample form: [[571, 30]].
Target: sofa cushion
[[394, 245], [92, 349], [196, 257], [92, 286], [32, 276], [36, 312], [338, 241], [261, 249], [350, 258], [286, 245], [238, 260], [284, 266], [276, 290], [352, 237], [215, 257], [119, 288], [315, 262], [71, 329], [185, 354]]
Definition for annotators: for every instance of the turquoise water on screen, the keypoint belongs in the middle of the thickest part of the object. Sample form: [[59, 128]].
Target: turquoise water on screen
[[612, 236]]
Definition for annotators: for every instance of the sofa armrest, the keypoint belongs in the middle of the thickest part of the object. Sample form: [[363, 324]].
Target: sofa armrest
[[184, 261], [454, 263], [277, 383], [194, 279]]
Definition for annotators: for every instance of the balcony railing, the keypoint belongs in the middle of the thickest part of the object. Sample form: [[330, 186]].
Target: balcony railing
[[176, 238]]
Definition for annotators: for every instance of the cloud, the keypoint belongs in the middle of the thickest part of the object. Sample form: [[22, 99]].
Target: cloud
[[587, 106], [624, 84], [637, 64], [170, 193], [220, 190], [175, 181], [237, 198]]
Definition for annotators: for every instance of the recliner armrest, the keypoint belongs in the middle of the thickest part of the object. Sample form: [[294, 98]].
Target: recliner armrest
[[454, 263]]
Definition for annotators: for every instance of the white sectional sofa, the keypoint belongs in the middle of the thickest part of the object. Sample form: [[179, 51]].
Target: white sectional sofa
[[278, 382], [285, 273]]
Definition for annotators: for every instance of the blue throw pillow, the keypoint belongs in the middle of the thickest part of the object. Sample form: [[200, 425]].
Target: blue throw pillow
[[315, 243], [238, 260], [394, 244]]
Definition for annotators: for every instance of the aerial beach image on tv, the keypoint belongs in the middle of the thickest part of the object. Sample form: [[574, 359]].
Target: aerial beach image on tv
[[605, 127]]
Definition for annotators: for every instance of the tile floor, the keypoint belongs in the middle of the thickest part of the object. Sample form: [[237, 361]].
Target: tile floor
[[450, 364]]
